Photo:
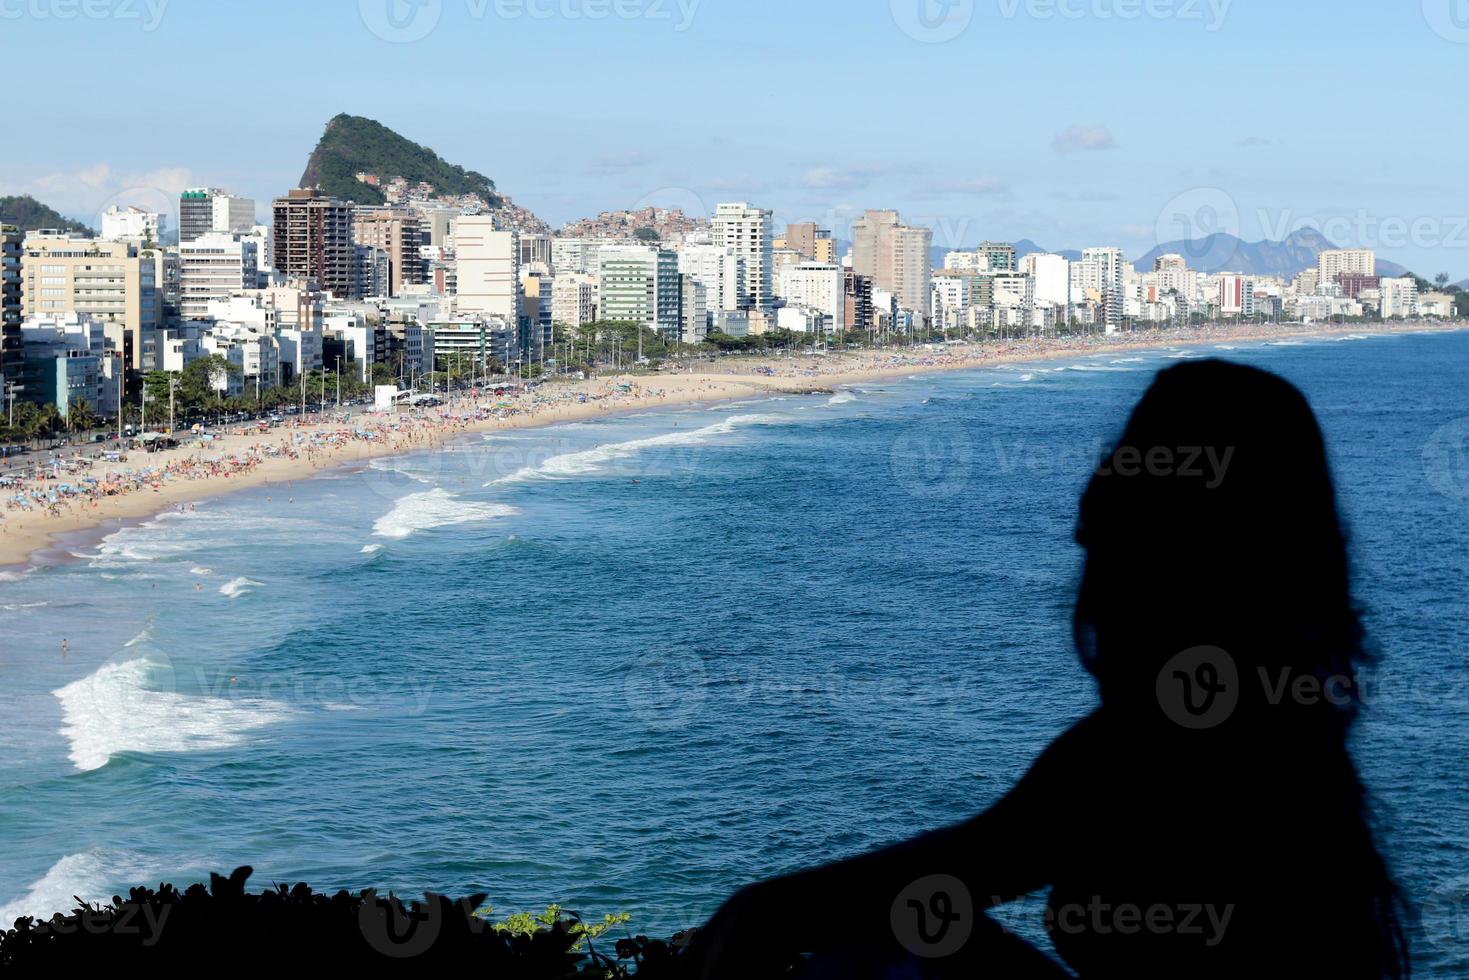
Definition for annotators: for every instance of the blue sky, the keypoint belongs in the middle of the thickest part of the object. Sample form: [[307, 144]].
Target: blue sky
[[1071, 122]]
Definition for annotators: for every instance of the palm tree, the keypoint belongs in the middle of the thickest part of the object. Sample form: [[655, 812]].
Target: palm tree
[[43, 421], [79, 417]]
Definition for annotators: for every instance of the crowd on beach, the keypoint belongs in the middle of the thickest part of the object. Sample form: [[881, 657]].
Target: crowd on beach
[[71, 483], [78, 484]]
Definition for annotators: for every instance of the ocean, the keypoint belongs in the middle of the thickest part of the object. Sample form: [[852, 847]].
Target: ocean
[[628, 665]]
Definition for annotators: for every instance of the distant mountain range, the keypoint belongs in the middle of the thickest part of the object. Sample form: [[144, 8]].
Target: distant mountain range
[[28, 214], [1225, 253], [353, 144]]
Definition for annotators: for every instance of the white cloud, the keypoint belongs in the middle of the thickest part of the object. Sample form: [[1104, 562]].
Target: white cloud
[[970, 185], [88, 191], [1078, 138], [618, 163]]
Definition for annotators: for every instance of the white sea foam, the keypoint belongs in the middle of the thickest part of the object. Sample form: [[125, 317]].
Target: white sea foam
[[237, 587], [842, 398], [402, 468], [86, 876], [126, 706], [17, 607], [199, 570], [1027, 377], [371, 549], [435, 508], [587, 461]]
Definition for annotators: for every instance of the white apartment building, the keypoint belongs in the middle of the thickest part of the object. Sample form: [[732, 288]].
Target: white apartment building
[[580, 254], [69, 359], [693, 317], [952, 292], [215, 266], [718, 270], [805, 320], [574, 299], [131, 224], [748, 231], [231, 215], [292, 315], [256, 355], [1052, 275], [1014, 290], [817, 285], [1100, 271], [1399, 298], [487, 269], [1337, 261]]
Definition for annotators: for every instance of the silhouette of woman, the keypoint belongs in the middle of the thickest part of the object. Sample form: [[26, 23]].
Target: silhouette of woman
[[1206, 819]]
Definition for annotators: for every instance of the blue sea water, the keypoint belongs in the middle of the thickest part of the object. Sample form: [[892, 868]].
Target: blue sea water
[[631, 664]]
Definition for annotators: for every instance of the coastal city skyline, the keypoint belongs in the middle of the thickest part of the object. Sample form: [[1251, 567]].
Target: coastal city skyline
[[1035, 165], [735, 488]]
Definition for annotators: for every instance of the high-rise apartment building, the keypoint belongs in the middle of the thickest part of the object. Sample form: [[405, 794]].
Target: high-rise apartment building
[[487, 269], [214, 266], [640, 284], [1100, 270], [896, 257], [815, 244], [397, 232], [574, 299], [718, 270], [208, 209], [1236, 296], [748, 233], [693, 316], [857, 301], [817, 285], [313, 240], [12, 358], [114, 282], [1052, 275], [1345, 261], [1399, 298]]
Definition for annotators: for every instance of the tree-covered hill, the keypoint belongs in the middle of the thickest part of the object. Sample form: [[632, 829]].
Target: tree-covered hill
[[354, 144], [28, 214]]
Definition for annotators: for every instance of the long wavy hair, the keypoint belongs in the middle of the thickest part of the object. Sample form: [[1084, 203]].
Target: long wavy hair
[[1213, 523]]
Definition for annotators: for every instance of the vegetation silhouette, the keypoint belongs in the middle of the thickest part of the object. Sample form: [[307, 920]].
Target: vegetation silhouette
[[294, 928]]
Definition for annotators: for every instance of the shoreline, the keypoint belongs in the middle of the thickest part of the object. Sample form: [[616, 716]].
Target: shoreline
[[33, 538]]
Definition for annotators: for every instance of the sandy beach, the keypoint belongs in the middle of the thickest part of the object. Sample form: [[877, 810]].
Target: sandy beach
[[85, 494]]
